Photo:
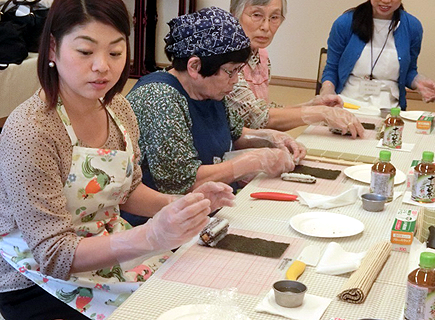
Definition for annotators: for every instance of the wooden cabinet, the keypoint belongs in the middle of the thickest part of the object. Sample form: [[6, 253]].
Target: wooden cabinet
[[145, 24], [144, 20]]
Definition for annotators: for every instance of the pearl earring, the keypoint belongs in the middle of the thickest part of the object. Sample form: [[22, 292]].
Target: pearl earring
[[51, 64]]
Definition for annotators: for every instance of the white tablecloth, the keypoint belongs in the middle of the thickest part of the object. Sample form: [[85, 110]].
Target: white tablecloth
[[387, 296]]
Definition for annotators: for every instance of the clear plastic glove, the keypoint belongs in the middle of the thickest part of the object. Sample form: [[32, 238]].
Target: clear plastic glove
[[174, 225], [426, 87], [329, 100], [336, 118], [219, 194], [273, 162], [276, 139]]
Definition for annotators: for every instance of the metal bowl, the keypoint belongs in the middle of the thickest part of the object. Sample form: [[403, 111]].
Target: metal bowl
[[289, 293], [373, 202]]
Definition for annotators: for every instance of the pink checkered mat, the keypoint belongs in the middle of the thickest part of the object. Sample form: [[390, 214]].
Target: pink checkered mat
[[322, 186], [221, 269]]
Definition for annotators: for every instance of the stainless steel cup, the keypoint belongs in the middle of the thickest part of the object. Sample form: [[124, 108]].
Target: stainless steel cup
[[373, 202], [289, 293]]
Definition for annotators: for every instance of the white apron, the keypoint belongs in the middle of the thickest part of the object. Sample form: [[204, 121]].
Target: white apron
[[98, 181]]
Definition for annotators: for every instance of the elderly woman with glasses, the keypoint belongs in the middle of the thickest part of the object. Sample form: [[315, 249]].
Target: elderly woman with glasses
[[185, 126], [260, 20]]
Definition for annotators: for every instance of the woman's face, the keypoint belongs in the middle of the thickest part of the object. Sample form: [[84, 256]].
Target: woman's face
[[217, 86], [89, 60], [384, 9], [260, 23]]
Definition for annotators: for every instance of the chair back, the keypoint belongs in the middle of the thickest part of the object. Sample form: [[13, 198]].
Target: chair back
[[322, 64]]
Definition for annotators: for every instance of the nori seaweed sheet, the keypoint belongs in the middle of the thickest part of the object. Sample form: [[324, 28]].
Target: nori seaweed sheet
[[318, 172], [255, 246], [368, 126]]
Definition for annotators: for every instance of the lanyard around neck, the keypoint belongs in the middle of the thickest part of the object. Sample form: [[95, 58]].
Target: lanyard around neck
[[373, 65]]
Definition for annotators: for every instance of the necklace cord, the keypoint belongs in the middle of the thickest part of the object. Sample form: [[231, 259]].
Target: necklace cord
[[373, 65]]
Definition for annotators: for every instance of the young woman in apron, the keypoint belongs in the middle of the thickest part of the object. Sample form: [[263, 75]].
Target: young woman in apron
[[69, 161]]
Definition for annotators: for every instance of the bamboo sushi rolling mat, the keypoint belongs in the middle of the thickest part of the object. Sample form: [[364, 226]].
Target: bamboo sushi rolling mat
[[387, 295]]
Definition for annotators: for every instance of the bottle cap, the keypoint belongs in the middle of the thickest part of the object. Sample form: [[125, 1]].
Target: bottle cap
[[427, 156], [395, 112], [427, 260], [385, 155]]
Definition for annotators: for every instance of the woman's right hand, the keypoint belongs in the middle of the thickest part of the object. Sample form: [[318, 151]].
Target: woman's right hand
[[174, 225], [336, 118], [272, 161]]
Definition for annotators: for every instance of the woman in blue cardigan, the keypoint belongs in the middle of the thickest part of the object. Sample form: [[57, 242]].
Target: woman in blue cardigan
[[372, 56]]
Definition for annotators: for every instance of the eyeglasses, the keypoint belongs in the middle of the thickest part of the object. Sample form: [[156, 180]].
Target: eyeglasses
[[234, 71], [259, 18]]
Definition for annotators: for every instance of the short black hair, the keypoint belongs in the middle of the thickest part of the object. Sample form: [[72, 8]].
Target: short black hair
[[211, 65]]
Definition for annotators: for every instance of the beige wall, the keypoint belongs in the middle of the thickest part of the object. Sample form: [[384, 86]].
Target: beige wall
[[295, 49]]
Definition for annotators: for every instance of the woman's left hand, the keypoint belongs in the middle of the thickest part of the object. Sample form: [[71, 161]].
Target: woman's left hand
[[219, 194], [330, 100], [277, 139], [426, 87]]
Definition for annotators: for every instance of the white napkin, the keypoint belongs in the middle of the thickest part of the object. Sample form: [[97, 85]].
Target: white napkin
[[407, 199], [337, 261], [312, 308], [406, 147], [314, 200]]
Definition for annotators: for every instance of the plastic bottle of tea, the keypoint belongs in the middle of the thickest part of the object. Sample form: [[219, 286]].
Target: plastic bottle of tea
[[420, 290], [383, 173], [393, 130], [423, 187]]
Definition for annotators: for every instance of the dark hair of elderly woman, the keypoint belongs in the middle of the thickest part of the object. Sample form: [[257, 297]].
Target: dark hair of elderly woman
[[362, 23], [66, 15]]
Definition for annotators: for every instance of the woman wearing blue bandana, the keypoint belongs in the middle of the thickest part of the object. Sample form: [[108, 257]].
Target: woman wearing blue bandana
[[185, 127]]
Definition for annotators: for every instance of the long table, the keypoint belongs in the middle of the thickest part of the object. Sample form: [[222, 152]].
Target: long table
[[167, 289]]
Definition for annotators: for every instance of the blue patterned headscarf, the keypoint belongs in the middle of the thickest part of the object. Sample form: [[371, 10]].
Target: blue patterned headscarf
[[209, 31]]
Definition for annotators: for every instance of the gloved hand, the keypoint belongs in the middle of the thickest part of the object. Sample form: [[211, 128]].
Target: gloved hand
[[174, 225], [275, 139], [330, 100], [271, 161], [426, 87], [219, 194], [336, 118]]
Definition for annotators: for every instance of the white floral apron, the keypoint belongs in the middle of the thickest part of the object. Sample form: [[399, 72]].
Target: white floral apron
[[98, 181]]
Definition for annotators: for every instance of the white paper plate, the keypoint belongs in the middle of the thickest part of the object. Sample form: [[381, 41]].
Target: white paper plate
[[411, 115], [326, 225], [195, 312], [363, 173]]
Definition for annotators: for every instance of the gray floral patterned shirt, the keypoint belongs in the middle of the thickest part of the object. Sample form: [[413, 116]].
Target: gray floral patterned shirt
[[166, 141]]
